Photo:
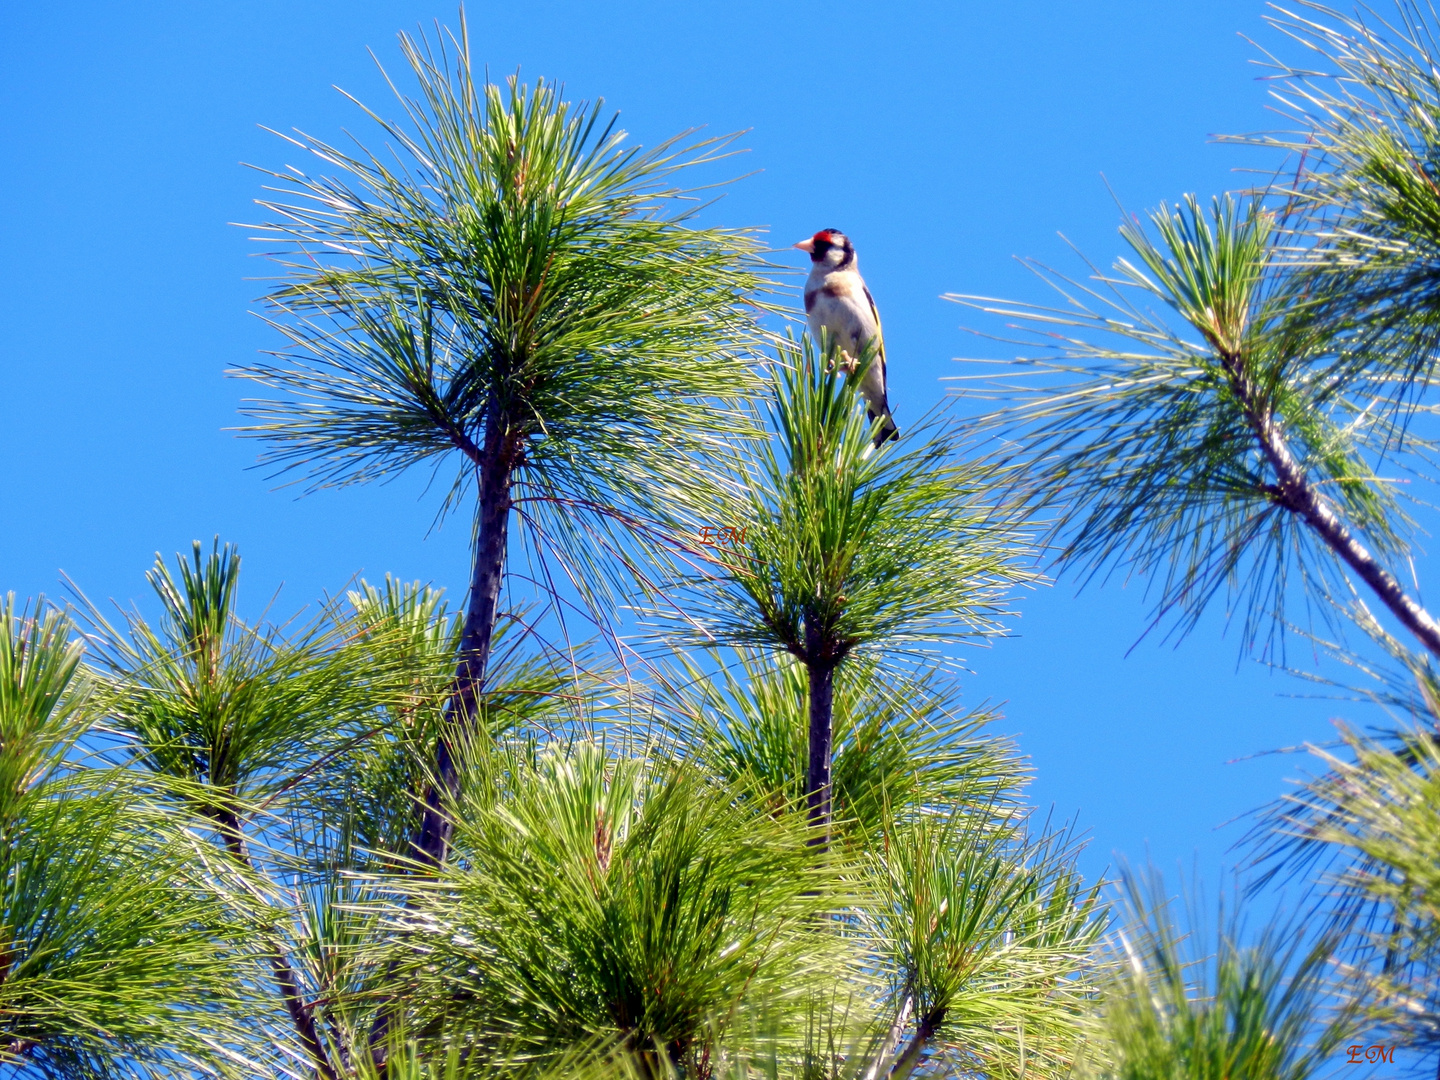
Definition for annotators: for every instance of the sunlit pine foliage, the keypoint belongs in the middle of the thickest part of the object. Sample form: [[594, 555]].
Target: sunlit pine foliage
[[1186, 1004], [1363, 104], [116, 953], [604, 897], [902, 745], [1365, 832], [508, 277], [1193, 426], [989, 935], [888, 551]]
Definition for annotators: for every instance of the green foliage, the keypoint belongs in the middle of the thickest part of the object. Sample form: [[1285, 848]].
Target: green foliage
[[1180, 451], [508, 278], [223, 708], [598, 896], [113, 954], [989, 937], [41, 700], [405, 628], [901, 748], [1367, 102], [1368, 829], [884, 549], [407, 631], [1177, 1009], [300, 747]]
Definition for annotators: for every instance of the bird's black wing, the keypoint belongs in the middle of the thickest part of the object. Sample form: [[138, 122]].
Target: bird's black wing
[[879, 338]]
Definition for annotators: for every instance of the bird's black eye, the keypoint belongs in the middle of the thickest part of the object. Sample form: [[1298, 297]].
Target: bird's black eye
[[821, 247]]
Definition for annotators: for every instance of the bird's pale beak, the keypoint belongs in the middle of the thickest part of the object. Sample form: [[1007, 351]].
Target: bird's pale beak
[[808, 244]]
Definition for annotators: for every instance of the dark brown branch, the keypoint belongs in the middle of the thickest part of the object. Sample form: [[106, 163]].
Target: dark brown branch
[[456, 435], [924, 1031], [432, 837], [821, 667], [1296, 494], [462, 712]]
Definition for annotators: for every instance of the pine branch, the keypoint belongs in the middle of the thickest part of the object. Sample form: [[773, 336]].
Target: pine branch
[[1295, 493]]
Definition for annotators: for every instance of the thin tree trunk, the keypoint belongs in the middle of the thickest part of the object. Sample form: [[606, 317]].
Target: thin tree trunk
[[432, 837], [301, 1014], [461, 714], [822, 711], [1297, 495], [892, 1039], [910, 1056]]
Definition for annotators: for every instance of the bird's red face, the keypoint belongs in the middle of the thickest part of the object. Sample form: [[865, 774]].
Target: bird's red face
[[828, 246], [817, 243]]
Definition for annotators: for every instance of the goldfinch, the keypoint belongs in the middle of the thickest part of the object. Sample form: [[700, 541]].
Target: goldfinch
[[837, 302]]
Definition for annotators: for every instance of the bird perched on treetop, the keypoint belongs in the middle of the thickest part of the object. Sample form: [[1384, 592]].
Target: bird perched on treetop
[[837, 301]]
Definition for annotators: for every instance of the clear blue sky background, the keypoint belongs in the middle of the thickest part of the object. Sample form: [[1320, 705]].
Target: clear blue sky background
[[943, 137]]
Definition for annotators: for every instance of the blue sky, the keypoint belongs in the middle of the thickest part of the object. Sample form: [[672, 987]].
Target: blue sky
[[945, 138]]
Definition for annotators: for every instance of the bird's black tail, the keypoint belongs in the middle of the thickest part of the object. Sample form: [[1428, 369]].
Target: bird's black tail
[[887, 431]]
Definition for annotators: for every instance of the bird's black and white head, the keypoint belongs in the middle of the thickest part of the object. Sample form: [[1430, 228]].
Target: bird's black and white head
[[830, 249]]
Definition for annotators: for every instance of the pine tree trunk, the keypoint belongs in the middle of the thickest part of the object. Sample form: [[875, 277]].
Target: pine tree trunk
[[432, 838], [461, 714], [822, 711]]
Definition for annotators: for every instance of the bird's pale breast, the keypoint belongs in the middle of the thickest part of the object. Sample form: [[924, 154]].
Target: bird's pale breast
[[836, 302]]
